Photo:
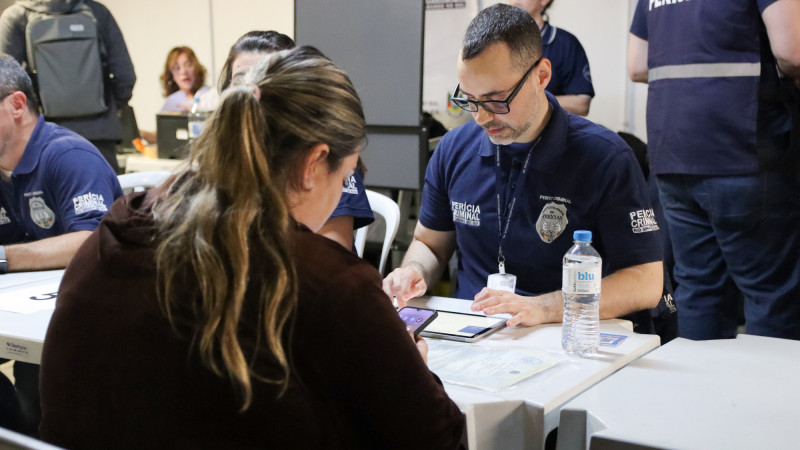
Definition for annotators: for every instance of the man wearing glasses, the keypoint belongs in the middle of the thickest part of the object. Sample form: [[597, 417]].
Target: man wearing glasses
[[547, 171]]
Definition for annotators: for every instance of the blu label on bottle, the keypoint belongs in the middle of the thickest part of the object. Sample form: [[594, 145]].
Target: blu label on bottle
[[581, 280], [502, 282]]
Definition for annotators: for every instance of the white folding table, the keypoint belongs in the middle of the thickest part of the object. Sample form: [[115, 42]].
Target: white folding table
[[521, 416], [738, 393], [22, 335]]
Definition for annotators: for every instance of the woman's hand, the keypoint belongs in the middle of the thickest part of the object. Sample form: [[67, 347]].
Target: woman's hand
[[422, 346]]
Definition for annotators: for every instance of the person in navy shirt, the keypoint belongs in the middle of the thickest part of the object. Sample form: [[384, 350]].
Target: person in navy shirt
[[514, 185], [55, 187], [353, 211], [571, 79], [719, 145]]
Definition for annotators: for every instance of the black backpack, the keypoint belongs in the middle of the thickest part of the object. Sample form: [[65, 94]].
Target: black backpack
[[66, 62]]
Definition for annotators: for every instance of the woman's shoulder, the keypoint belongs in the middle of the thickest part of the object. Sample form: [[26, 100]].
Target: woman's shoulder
[[324, 264], [313, 248]]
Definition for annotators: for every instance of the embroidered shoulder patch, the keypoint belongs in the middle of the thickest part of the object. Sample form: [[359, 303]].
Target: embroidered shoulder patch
[[643, 221], [349, 186], [89, 202]]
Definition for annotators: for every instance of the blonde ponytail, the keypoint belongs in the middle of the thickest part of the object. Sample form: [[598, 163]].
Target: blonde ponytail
[[224, 223]]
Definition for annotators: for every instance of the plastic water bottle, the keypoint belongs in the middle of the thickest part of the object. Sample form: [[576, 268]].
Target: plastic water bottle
[[580, 284], [196, 120]]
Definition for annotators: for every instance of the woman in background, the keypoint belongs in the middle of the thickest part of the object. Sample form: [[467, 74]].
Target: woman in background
[[353, 210], [207, 312], [182, 79]]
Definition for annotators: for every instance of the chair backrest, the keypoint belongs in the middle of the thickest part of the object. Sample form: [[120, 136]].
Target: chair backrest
[[139, 181], [10, 440], [388, 209]]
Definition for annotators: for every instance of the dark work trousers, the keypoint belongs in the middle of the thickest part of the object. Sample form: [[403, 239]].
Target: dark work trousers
[[26, 379], [735, 232], [9, 405]]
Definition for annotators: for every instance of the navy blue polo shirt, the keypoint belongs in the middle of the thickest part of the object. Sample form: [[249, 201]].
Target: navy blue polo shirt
[[571, 75], [354, 202], [61, 184], [706, 109], [580, 176]]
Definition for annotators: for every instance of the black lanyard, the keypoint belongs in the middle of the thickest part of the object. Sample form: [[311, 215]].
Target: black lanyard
[[502, 230]]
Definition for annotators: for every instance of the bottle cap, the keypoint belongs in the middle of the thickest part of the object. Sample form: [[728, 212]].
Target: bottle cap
[[582, 235]]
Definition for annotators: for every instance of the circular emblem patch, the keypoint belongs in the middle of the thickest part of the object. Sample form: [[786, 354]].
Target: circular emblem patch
[[552, 222]]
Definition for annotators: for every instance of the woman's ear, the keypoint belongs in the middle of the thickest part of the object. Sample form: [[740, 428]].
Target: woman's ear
[[315, 165]]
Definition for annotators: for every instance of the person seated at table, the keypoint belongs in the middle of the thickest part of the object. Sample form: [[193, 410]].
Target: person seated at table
[[207, 312], [353, 210], [182, 79], [248, 50], [55, 186], [548, 173]]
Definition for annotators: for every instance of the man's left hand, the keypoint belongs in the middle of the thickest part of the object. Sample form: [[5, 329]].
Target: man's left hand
[[526, 311]]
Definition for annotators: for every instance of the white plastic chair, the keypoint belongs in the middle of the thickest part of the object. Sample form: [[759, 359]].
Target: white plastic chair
[[388, 209], [139, 181]]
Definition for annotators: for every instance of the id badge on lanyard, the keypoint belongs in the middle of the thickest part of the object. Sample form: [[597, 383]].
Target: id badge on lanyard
[[503, 281]]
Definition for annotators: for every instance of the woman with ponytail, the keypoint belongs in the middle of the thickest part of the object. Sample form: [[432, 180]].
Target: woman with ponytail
[[207, 312]]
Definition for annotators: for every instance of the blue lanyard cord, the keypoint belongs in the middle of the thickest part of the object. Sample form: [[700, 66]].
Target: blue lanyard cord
[[502, 230]]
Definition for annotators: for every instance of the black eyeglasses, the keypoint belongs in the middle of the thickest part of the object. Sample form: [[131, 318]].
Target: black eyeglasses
[[493, 106]]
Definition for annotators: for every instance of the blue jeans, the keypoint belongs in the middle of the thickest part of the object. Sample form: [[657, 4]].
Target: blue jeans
[[735, 233]]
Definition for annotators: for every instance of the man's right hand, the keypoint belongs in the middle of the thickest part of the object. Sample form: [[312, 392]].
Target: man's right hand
[[404, 283]]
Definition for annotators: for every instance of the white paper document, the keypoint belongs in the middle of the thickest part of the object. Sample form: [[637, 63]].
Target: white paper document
[[30, 300], [485, 367]]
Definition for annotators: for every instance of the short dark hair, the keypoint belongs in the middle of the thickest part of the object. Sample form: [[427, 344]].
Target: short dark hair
[[504, 23], [253, 42], [13, 78]]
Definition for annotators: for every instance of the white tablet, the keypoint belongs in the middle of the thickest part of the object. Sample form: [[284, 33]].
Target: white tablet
[[462, 327]]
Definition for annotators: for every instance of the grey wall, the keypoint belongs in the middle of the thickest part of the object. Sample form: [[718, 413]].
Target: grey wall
[[379, 43]]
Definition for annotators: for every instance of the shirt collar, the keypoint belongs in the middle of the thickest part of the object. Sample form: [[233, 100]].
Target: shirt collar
[[551, 146], [33, 150], [548, 33]]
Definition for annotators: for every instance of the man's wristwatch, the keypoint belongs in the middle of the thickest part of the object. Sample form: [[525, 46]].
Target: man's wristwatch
[[3, 260]]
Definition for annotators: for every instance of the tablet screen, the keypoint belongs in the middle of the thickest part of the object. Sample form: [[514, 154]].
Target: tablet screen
[[465, 325]]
